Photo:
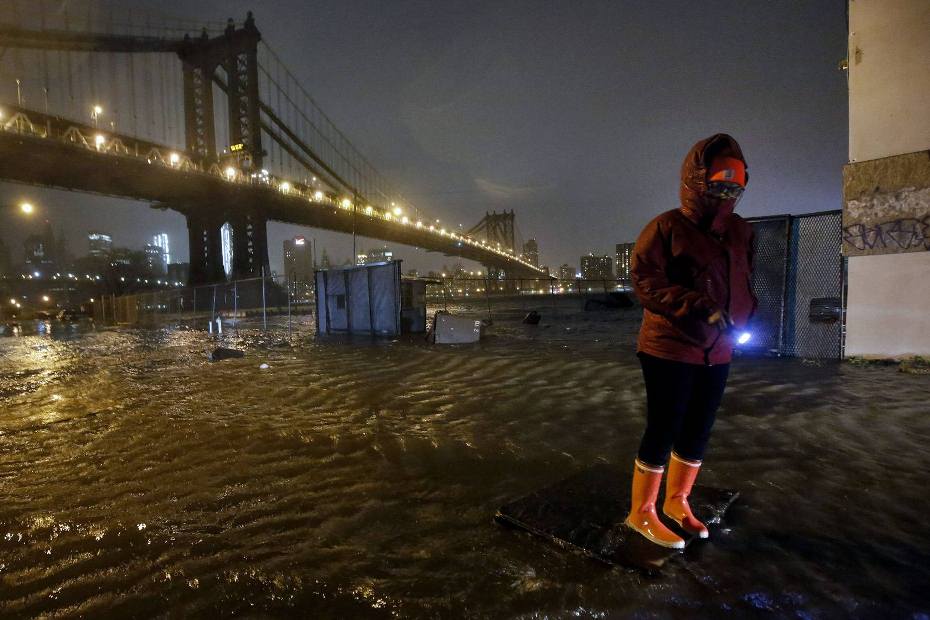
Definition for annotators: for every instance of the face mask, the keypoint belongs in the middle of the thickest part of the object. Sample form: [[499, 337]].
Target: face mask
[[722, 209]]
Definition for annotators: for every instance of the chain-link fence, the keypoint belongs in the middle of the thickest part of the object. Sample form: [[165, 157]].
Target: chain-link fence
[[269, 303], [275, 303], [798, 279]]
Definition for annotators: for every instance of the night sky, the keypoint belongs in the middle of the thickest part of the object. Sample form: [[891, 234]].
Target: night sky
[[576, 114]]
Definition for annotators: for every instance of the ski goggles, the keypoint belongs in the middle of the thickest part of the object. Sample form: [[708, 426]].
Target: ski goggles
[[724, 190]]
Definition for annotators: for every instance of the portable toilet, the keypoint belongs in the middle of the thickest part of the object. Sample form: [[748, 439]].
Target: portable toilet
[[368, 299]]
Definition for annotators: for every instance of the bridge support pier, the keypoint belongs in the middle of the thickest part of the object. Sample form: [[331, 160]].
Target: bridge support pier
[[250, 245], [206, 249]]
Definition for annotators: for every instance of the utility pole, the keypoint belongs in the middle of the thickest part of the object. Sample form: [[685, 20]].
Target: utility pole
[[354, 214]]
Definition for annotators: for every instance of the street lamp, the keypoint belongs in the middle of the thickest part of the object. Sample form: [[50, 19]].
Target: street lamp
[[26, 207]]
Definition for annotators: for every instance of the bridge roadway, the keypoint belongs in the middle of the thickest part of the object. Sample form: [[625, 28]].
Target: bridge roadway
[[60, 153]]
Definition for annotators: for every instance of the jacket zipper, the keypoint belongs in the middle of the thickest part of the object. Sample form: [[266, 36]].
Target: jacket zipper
[[707, 351]]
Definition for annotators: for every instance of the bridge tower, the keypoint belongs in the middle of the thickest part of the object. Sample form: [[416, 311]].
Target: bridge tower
[[236, 51], [497, 229]]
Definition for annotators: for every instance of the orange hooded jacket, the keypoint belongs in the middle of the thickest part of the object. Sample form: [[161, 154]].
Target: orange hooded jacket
[[692, 261]]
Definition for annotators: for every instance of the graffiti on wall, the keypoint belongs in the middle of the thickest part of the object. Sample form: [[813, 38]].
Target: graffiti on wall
[[887, 222], [901, 234]]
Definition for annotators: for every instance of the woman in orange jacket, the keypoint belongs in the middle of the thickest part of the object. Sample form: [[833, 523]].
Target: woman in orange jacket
[[691, 269]]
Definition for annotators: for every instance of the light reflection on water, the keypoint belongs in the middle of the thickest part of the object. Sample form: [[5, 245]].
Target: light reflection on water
[[358, 478]]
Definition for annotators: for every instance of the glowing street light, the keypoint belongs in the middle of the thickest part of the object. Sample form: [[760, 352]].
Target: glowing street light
[[99, 140], [397, 211], [45, 298], [174, 158], [26, 207], [285, 187], [96, 111], [346, 203], [230, 173], [318, 196]]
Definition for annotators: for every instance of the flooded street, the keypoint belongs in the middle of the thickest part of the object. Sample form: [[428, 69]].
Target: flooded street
[[358, 478]]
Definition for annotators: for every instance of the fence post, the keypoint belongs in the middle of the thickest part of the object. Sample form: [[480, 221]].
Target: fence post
[[264, 313]]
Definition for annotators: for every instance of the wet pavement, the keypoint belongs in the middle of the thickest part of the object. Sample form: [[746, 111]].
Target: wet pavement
[[358, 478]]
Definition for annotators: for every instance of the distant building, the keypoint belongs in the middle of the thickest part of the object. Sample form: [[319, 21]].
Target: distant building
[[597, 267], [376, 255], [5, 265], [40, 253], [99, 245], [161, 240], [155, 260], [179, 272], [120, 256], [531, 252], [624, 255], [298, 259], [566, 272]]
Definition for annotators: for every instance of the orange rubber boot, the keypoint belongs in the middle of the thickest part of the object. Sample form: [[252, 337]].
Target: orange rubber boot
[[681, 476], [643, 517]]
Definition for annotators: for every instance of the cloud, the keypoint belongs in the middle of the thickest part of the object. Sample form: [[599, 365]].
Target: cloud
[[501, 191]]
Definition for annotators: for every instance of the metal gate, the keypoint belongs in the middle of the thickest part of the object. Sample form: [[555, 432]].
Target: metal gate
[[798, 280]]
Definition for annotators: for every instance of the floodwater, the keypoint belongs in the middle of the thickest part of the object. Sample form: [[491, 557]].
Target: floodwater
[[358, 478]]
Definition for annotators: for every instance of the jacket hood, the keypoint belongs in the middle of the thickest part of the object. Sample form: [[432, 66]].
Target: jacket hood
[[694, 179]]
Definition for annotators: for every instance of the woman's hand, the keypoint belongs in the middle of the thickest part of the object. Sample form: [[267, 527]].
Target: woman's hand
[[721, 319]]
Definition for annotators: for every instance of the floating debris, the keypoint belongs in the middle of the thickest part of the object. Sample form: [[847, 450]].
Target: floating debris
[[222, 353]]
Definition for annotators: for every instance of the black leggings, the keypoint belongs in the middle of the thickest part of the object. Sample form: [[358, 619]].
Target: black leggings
[[681, 404]]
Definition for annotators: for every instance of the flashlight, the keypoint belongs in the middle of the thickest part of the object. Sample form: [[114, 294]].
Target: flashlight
[[744, 338]]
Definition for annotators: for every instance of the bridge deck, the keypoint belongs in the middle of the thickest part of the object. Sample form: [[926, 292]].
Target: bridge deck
[[50, 162]]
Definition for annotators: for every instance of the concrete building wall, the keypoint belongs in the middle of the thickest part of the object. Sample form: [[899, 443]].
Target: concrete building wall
[[886, 185], [889, 80], [888, 305]]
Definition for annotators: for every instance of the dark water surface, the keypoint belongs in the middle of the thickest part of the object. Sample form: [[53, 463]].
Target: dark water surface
[[355, 478]]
